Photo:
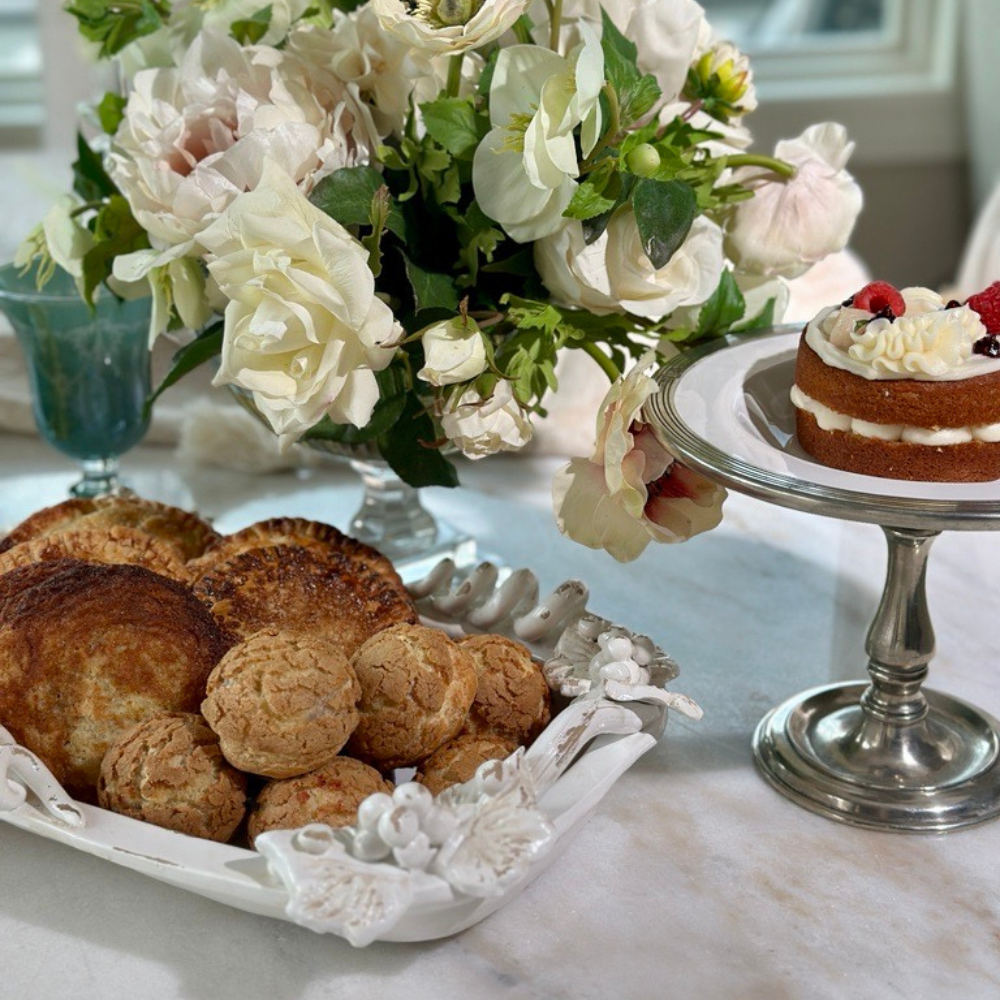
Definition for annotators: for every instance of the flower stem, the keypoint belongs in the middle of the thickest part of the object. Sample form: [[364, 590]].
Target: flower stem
[[555, 23], [454, 83], [758, 160], [610, 133], [606, 364]]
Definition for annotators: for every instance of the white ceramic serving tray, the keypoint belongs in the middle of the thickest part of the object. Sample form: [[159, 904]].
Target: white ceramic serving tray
[[415, 867]]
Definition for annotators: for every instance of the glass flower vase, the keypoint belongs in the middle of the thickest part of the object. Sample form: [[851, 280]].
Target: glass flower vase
[[88, 371], [393, 519]]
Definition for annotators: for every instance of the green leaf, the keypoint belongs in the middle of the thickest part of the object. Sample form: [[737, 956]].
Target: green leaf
[[208, 344], [90, 180], [111, 111], [431, 290], [762, 321], [346, 196], [486, 76], [114, 25], [115, 232], [637, 92], [408, 448], [597, 194], [455, 124], [722, 308], [664, 211], [250, 30]]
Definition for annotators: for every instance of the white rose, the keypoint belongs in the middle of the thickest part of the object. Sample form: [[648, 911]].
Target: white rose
[[304, 330], [632, 490], [613, 274], [789, 225], [524, 171], [481, 427], [448, 26], [195, 137], [454, 351]]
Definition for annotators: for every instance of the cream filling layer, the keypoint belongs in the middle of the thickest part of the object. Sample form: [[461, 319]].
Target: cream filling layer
[[830, 420]]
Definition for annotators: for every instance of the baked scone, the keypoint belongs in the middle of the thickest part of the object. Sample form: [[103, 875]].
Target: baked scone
[[416, 689], [282, 703], [16, 584], [296, 531], [512, 696], [458, 760], [331, 794], [900, 384], [95, 650], [293, 589], [182, 530], [169, 770], [113, 546]]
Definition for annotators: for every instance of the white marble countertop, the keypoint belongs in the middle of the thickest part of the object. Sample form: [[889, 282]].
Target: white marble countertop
[[693, 879]]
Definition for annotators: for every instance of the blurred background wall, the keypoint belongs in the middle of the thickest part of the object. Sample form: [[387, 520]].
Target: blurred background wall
[[915, 81]]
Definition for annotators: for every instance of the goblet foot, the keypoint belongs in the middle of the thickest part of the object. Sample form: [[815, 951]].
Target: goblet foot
[[100, 477], [393, 520], [824, 751]]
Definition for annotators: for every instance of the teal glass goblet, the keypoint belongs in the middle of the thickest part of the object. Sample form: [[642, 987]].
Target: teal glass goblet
[[88, 370]]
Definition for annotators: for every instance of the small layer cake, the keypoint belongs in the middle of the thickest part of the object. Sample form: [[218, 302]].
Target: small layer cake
[[902, 385]]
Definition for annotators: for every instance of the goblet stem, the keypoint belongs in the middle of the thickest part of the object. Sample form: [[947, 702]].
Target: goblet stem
[[391, 516], [100, 477]]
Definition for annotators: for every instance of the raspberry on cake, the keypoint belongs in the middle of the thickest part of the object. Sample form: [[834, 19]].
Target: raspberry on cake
[[902, 385]]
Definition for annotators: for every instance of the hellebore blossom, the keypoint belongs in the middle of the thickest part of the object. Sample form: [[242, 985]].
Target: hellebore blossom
[[524, 171], [632, 490]]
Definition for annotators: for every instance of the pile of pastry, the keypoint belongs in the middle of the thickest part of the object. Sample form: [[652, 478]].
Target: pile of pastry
[[224, 685]]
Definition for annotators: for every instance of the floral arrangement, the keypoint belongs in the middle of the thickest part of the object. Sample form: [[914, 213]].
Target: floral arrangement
[[388, 220]]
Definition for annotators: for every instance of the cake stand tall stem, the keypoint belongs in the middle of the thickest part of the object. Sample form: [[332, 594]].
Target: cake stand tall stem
[[901, 638]]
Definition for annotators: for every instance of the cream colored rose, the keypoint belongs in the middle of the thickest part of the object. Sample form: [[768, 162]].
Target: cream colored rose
[[448, 26], [789, 225], [481, 427], [613, 274], [454, 351], [632, 490], [304, 330]]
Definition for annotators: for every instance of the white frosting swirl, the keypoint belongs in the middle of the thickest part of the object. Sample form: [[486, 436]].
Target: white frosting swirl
[[927, 343]]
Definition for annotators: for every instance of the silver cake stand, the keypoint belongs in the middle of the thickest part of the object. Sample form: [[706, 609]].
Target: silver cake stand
[[887, 754]]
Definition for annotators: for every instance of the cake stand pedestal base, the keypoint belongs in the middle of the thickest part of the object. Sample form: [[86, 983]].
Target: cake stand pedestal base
[[823, 752], [888, 755]]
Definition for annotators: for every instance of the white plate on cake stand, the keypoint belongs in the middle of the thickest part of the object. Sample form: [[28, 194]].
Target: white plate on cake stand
[[886, 755]]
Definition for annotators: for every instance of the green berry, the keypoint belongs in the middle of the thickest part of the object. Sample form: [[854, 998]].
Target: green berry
[[644, 160]]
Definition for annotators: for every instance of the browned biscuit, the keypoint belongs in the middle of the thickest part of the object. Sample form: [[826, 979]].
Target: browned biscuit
[[169, 770], [416, 689], [459, 759], [95, 650], [293, 589], [111, 546], [512, 696], [301, 532], [331, 794], [282, 703], [186, 532], [16, 584], [970, 462], [969, 402]]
